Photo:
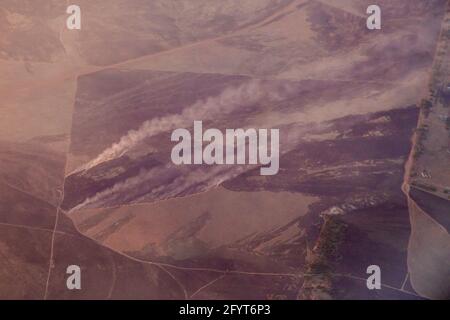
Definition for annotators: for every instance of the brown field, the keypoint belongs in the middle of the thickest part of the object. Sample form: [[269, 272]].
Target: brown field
[[345, 100]]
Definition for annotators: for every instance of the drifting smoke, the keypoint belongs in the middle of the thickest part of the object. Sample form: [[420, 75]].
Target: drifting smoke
[[168, 182], [210, 108], [125, 189], [194, 181]]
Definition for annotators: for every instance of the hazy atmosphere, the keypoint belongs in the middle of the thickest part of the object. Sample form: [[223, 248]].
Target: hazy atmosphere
[[359, 136]]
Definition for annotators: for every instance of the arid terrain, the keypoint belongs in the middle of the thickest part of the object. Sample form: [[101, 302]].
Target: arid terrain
[[427, 182], [86, 176]]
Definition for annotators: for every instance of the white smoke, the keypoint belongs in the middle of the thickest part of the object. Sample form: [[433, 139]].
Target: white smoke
[[167, 183], [194, 181], [210, 108], [108, 196]]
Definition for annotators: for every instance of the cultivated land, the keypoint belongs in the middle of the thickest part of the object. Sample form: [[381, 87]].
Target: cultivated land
[[344, 100], [427, 182], [432, 147]]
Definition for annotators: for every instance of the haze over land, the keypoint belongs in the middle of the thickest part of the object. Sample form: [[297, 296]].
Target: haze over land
[[85, 168]]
